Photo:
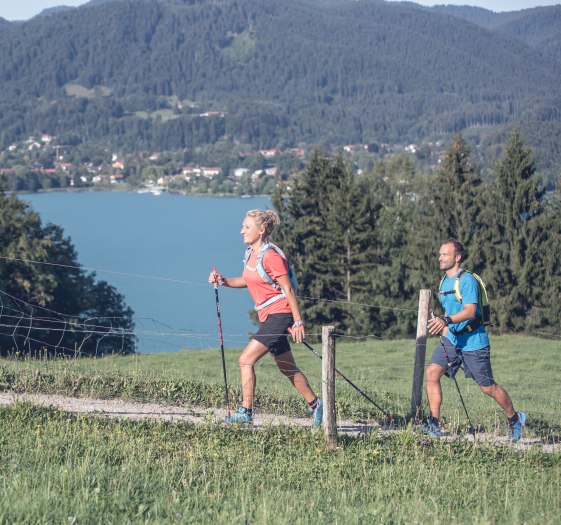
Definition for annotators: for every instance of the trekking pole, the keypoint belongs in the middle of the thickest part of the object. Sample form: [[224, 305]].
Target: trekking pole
[[441, 338], [228, 410], [387, 414]]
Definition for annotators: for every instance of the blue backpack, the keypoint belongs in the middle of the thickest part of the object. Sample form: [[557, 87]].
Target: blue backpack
[[265, 276]]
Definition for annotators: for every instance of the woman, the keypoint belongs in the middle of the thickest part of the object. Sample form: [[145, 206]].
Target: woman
[[267, 276]]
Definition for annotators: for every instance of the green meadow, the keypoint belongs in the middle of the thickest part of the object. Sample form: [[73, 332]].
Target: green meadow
[[64, 468]]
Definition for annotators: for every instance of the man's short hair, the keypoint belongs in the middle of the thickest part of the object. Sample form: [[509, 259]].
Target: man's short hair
[[459, 248]]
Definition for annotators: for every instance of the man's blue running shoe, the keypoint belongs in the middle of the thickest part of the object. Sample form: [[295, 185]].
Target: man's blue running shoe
[[241, 416], [515, 429], [431, 428], [317, 413]]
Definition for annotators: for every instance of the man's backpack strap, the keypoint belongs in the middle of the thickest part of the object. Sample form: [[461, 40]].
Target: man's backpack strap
[[482, 299]]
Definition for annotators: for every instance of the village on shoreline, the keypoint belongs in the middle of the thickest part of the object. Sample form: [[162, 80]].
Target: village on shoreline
[[41, 163]]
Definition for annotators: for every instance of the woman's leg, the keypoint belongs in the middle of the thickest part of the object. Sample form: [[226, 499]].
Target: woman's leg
[[250, 355], [288, 367]]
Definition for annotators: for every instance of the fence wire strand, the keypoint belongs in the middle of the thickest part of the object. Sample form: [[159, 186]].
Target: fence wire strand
[[26, 324]]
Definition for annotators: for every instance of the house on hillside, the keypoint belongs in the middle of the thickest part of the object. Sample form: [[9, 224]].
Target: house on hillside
[[240, 172], [210, 172], [101, 179], [191, 171], [298, 152], [269, 153], [221, 114], [65, 167]]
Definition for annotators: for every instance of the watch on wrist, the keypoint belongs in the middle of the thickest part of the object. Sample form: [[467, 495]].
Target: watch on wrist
[[297, 323], [447, 320]]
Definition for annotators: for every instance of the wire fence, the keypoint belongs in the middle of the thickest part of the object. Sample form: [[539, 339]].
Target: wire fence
[[383, 369]]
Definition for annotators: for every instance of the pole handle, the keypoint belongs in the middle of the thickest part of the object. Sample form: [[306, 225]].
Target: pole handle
[[215, 280]]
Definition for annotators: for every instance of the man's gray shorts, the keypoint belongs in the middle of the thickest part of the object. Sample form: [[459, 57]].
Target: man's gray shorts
[[477, 363]]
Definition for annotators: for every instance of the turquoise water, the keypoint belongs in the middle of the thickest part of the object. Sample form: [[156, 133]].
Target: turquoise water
[[158, 251]]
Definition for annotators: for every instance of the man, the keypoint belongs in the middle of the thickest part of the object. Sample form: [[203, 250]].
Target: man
[[464, 341]]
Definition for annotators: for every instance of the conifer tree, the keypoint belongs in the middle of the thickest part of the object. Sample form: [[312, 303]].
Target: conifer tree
[[351, 224], [515, 238], [393, 189], [450, 205], [547, 303], [301, 209], [327, 231]]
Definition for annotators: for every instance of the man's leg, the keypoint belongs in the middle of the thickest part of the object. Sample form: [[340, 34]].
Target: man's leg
[[434, 390], [478, 367], [500, 395]]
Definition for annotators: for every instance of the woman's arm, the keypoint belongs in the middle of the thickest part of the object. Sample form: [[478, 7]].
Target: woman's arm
[[297, 331], [234, 282], [229, 282]]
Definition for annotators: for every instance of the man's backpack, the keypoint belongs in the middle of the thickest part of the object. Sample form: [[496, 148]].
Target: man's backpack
[[265, 276], [482, 298]]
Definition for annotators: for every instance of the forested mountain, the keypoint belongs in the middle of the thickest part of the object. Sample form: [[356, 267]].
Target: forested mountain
[[168, 74], [53, 10], [539, 27]]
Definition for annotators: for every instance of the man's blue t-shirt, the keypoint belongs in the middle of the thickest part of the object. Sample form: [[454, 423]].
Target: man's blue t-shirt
[[469, 341]]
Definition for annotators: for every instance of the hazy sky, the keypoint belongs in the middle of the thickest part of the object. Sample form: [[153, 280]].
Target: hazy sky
[[25, 9]]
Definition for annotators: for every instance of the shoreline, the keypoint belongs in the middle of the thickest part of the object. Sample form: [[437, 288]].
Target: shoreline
[[139, 191]]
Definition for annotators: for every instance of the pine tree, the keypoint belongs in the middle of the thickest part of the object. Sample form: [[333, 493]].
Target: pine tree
[[393, 189], [327, 231], [350, 223], [515, 238], [548, 295], [450, 205]]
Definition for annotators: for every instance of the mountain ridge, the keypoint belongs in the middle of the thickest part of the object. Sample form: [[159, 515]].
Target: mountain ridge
[[322, 73]]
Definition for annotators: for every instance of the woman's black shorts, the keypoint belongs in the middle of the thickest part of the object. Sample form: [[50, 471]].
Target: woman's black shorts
[[273, 333]]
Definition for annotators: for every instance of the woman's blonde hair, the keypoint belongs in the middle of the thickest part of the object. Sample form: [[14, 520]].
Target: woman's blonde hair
[[267, 219]]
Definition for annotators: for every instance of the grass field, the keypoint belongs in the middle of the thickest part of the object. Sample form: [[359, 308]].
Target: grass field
[[526, 367], [62, 468]]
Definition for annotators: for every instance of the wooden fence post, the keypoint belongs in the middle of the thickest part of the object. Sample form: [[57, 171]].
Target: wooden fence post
[[328, 386], [420, 352]]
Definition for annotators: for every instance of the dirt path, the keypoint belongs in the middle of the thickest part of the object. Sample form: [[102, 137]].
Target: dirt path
[[118, 408]]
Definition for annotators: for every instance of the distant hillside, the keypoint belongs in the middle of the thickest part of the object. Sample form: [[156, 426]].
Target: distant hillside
[[539, 27], [53, 10], [478, 15], [93, 3], [165, 74]]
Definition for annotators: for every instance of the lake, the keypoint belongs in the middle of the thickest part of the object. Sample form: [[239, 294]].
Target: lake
[[157, 250]]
